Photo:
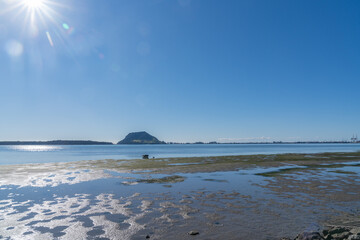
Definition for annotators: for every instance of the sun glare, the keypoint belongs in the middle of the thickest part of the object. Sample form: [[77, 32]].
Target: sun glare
[[40, 17], [34, 4], [35, 12]]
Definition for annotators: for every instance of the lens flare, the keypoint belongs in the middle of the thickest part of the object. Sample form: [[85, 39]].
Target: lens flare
[[65, 26], [50, 39], [14, 48]]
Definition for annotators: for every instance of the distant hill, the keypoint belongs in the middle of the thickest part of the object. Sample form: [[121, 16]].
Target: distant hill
[[140, 138], [55, 142]]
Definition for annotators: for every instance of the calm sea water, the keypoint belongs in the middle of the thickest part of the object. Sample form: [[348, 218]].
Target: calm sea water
[[45, 154]]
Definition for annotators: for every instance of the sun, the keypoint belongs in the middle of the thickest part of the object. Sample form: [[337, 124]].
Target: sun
[[34, 4], [39, 17], [34, 10], [37, 12]]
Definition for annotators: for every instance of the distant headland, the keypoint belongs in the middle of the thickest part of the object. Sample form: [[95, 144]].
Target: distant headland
[[140, 138], [132, 138], [145, 138]]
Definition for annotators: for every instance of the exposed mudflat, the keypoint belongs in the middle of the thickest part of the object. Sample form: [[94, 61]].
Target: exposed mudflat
[[232, 197]]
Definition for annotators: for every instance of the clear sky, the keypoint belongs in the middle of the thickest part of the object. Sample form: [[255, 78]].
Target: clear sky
[[183, 70]]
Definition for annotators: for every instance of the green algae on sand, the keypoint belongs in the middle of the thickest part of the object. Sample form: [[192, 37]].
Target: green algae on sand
[[169, 179], [231, 163]]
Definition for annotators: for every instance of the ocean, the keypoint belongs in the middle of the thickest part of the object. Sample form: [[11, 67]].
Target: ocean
[[23, 154]]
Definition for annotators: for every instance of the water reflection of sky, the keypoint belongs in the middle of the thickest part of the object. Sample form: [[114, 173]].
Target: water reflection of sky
[[37, 210], [89, 203]]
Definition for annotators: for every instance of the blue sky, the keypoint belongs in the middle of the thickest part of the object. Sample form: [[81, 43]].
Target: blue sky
[[187, 70]]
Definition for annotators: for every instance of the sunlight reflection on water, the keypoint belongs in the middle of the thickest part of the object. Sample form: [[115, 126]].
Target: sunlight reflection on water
[[35, 148]]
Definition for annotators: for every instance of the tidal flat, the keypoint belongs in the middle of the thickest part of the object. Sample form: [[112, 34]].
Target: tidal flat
[[229, 197]]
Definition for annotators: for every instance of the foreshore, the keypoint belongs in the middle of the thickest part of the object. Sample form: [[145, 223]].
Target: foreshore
[[228, 197]]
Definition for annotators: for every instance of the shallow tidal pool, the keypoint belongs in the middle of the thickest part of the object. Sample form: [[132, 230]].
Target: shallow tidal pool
[[80, 201]]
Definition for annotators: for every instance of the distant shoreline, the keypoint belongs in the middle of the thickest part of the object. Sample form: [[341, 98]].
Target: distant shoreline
[[89, 142]]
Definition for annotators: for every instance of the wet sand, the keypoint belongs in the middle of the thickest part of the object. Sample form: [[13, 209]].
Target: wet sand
[[232, 197]]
